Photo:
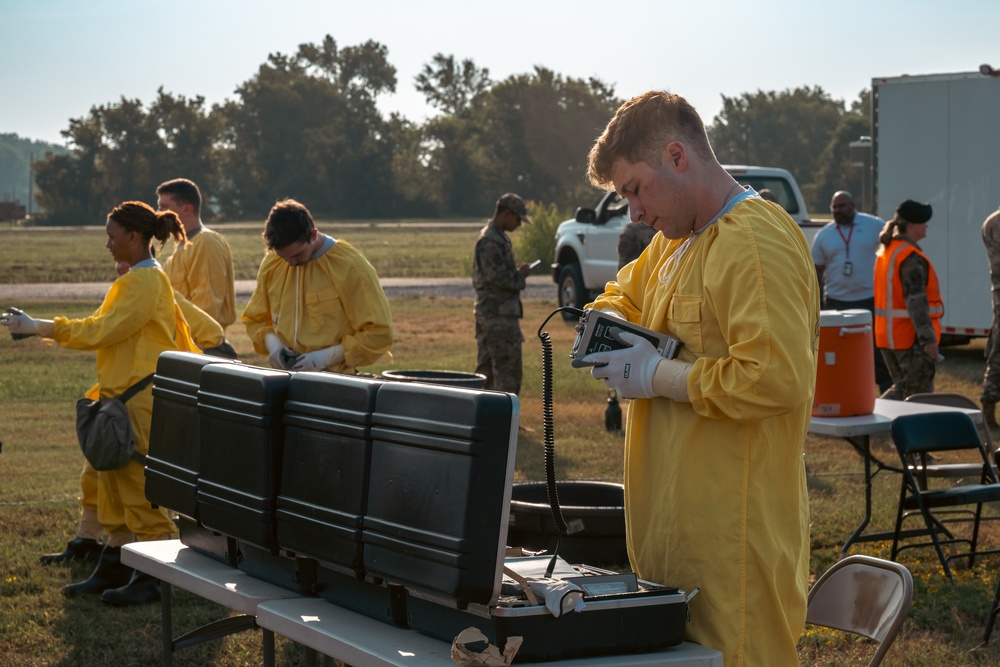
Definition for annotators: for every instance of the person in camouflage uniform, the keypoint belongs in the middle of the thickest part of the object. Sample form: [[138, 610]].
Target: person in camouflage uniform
[[991, 379], [912, 368], [633, 239], [498, 282]]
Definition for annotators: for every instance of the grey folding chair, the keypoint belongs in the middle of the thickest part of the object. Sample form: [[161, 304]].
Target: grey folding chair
[[864, 595]]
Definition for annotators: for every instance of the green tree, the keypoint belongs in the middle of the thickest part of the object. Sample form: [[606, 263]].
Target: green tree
[[535, 132], [788, 129], [457, 90], [192, 139], [529, 133], [451, 86], [123, 150], [837, 167], [306, 126]]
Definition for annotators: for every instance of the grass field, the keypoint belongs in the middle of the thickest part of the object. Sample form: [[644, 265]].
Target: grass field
[[40, 463], [77, 254]]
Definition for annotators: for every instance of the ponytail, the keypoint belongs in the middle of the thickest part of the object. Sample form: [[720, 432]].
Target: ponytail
[[168, 225]]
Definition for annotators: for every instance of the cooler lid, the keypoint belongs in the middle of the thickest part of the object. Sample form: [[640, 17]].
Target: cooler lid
[[854, 317]]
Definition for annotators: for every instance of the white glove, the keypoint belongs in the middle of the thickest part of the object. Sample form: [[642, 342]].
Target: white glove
[[319, 360], [21, 324], [279, 357], [628, 371], [671, 380]]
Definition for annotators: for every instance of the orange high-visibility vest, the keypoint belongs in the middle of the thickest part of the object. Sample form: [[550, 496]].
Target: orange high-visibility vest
[[893, 327]]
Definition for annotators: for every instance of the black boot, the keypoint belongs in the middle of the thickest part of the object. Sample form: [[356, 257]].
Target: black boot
[[109, 573], [79, 548], [140, 589]]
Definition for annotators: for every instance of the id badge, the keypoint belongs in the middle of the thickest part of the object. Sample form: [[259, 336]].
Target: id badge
[[848, 268]]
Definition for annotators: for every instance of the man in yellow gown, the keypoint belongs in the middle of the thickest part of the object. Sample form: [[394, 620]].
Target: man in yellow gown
[[715, 487], [318, 304]]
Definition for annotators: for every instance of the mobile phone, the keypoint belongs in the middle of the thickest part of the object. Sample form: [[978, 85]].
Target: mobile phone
[[534, 265]]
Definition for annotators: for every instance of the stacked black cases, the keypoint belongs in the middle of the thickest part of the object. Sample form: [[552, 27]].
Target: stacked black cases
[[174, 459], [241, 411], [173, 465], [441, 473], [324, 474], [324, 482]]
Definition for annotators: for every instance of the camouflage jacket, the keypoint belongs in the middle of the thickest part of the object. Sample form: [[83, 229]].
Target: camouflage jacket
[[495, 277], [913, 275], [991, 239]]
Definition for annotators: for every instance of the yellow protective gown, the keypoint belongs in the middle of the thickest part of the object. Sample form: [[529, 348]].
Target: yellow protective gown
[[201, 269], [205, 331], [334, 298], [136, 322], [715, 489]]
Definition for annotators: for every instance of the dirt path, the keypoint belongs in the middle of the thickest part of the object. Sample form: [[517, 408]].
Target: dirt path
[[539, 287]]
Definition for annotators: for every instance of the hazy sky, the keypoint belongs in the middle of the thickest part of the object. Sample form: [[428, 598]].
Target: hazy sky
[[58, 58]]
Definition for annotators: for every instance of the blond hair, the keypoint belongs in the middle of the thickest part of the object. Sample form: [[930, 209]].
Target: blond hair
[[641, 129]]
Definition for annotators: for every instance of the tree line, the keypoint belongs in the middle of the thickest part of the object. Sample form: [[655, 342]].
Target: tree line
[[307, 126]]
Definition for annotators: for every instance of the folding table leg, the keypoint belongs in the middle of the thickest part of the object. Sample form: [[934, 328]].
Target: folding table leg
[[267, 639], [166, 624]]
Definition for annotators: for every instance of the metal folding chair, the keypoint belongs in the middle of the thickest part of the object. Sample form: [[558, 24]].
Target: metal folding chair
[[920, 435], [864, 595], [954, 470]]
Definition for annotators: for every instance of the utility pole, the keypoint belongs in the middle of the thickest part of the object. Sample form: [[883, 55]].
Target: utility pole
[[31, 182]]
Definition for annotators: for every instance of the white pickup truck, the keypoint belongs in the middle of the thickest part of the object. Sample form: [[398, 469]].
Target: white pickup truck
[[586, 255]]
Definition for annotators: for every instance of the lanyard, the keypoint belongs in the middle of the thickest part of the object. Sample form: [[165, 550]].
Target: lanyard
[[847, 241]]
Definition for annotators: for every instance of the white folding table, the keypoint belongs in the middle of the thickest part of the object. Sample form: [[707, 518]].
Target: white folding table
[[322, 626], [173, 563], [858, 431], [361, 641]]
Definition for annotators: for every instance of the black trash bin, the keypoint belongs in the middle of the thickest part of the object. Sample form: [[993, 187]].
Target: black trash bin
[[595, 520], [450, 378]]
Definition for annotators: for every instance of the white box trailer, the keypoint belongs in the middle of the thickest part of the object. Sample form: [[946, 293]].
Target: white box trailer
[[936, 139]]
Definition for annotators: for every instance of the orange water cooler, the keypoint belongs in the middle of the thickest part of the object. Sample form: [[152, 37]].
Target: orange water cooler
[[845, 372]]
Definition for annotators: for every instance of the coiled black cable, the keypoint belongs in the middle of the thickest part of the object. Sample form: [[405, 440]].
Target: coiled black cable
[[549, 435]]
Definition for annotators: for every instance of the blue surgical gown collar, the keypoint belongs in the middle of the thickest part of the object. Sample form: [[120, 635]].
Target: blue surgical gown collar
[[328, 242], [150, 263], [748, 193]]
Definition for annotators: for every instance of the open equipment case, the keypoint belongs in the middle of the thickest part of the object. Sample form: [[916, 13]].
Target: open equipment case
[[392, 499], [431, 509]]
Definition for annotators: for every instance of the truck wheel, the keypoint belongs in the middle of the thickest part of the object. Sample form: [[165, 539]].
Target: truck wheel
[[572, 291]]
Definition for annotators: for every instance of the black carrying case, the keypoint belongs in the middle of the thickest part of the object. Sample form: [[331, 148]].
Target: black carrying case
[[324, 492], [324, 473], [173, 463], [441, 478], [242, 434]]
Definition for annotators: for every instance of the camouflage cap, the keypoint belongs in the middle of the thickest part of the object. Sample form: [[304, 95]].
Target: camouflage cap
[[514, 203]]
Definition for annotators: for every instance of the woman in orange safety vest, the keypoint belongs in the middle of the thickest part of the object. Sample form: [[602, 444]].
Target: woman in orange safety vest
[[908, 306]]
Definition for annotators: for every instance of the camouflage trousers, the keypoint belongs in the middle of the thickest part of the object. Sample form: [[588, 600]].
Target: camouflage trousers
[[499, 342], [991, 379], [912, 372]]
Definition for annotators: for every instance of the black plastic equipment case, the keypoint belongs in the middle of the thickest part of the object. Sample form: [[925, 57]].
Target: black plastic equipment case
[[441, 473], [647, 618], [441, 481], [241, 411], [324, 492], [174, 459], [324, 471]]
